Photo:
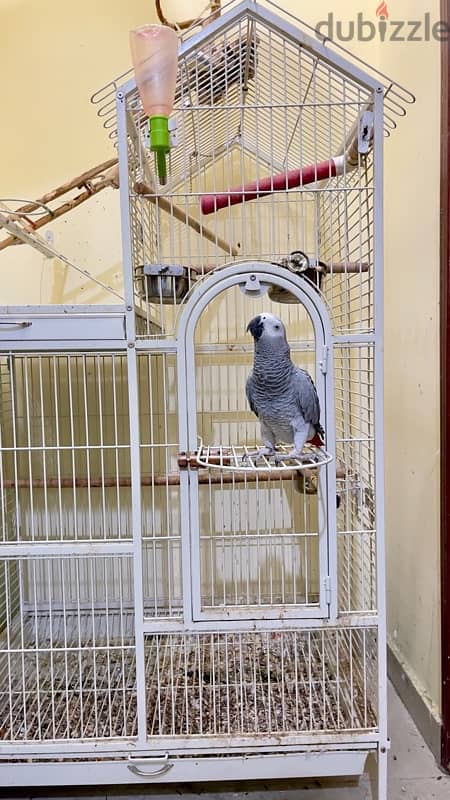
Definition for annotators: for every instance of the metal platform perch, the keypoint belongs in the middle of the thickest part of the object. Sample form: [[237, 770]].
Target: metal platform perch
[[243, 458]]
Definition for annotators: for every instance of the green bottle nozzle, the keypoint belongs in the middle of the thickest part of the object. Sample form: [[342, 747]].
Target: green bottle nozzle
[[160, 144]]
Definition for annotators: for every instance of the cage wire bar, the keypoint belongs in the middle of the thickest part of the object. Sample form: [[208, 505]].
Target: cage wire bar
[[167, 609]]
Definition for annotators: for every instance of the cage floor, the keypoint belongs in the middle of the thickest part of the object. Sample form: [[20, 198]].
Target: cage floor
[[196, 684]]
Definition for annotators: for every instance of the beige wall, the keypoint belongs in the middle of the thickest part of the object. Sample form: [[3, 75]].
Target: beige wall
[[55, 56], [50, 133], [412, 361]]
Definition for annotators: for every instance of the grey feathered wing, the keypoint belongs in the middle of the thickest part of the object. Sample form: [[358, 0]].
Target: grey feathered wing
[[308, 401], [249, 393]]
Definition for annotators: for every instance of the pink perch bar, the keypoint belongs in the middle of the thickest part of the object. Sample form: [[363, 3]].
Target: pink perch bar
[[273, 183]]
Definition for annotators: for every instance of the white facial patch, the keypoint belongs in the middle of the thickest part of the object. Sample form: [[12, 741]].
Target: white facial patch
[[272, 325]]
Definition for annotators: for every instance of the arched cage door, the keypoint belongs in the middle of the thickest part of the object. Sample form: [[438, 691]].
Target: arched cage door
[[257, 543]]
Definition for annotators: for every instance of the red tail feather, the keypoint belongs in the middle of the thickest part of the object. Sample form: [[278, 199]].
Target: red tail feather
[[316, 440]]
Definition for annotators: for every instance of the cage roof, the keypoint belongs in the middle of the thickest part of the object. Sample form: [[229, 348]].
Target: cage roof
[[253, 56]]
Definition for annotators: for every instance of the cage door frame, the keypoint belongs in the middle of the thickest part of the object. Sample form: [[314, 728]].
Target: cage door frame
[[254, 273]]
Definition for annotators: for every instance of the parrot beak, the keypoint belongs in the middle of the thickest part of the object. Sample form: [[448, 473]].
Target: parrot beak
[[256, 327]]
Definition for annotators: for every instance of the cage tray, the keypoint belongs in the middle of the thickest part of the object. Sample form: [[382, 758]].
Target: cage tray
[[244, 458]]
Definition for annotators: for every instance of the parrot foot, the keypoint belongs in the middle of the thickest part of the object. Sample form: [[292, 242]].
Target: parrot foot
[[294, 454], [263, 451]]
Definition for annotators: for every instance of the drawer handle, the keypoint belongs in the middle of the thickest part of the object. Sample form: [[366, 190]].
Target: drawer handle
[[16, 323], [163, 762]]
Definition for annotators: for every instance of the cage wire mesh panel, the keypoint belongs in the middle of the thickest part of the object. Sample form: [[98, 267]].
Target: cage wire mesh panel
[[253, 103], [66, 448], [160, 495], [67, 632], [258, 533], [165, 599], [355, 444], [345, 225], [7, 519], [67, 663], [262, 683]]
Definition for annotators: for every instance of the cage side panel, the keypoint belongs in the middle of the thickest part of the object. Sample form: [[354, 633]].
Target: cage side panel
[[8, 519], [160, 496], [345, 220], [67, 655], [355, 441], [66, 456], [8, 509]]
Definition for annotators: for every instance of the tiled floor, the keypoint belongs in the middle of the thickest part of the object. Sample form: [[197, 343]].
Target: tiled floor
[[413, 775]]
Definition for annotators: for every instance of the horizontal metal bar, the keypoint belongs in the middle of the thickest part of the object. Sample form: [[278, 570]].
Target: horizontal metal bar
[[192, 745], [354, 338], [58, 346], [151, 346], [177, 625], [72, 309], [247, 349], [57, 548], [61, 448]]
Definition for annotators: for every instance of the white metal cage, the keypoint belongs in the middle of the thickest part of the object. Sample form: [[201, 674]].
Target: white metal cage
[[167, 609]]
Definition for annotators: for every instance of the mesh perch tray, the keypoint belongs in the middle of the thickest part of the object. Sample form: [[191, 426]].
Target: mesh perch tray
[[243, 458]]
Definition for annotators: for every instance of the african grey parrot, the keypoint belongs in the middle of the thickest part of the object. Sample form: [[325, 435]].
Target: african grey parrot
[[282, 396]]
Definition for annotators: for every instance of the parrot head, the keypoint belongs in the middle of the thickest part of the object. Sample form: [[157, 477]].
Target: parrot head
[[267, 326]]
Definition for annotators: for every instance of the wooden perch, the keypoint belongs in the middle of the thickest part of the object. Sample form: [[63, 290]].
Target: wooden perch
[[106, 177], [175, 211], [343, 267], [205, 476], [77, 182], [215, 457], [93, 181], [337, 268], [306, 480]]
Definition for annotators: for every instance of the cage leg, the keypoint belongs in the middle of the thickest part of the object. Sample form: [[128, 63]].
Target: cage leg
[[380, 789]]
